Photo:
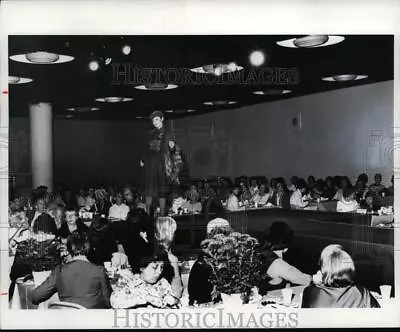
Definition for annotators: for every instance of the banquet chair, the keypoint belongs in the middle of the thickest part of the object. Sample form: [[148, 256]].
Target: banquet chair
[[66, 305]]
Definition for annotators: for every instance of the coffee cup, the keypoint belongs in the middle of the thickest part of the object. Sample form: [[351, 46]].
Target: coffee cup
[[385, 291], [287, 296]]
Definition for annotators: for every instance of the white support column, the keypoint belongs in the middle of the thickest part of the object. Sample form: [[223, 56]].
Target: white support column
[[41, 145]]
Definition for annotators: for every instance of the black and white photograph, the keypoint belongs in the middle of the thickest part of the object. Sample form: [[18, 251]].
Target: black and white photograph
[[199, 180]]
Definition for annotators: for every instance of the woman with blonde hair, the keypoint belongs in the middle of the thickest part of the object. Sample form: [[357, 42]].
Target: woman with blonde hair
[[337, 288]]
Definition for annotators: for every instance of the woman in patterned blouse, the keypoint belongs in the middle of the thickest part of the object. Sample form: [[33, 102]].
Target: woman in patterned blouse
[[159, 284]]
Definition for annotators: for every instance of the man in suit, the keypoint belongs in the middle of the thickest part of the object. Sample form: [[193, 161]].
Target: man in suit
[[77, 281], [39, 220], [281, 196]]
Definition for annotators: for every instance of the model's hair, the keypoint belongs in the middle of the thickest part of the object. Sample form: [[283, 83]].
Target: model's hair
[[278, 236], [337, 267], [78, 244]]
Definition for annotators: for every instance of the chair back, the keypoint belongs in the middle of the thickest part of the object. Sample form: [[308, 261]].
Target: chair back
[[66, 305]]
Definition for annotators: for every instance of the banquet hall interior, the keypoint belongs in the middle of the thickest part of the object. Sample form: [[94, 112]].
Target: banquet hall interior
[[285, 140]]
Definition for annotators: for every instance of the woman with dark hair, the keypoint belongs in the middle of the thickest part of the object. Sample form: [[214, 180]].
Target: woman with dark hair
[[278, 239], [337, 288], [330, 190], [77, 281], [371, 203], [293, 182], [344, 184], [39, 220], [158, 284], [347, 203], [162, 163]]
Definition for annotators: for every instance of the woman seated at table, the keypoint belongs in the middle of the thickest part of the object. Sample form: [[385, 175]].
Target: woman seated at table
[[337, 288], [371, 203], [159, 284], [73, 224], [119, 210], [348, 202], [279, 273], [57, 213], [262, 196], [39, 220], [233, 200], [296, 199], [193, 205], [377, 187], [344, 184], [77, 281], [329, 189]]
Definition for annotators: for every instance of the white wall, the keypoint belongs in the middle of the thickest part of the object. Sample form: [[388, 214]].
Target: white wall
[[344, 132]]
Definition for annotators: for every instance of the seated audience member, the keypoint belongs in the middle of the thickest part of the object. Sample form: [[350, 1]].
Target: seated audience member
[[39, 220], [279, 273], [377, 187], [57, 213], [293, 182], [233, 201], [244, 194], [360, 191], [329, 191], [364, 179], [310, 183], [77, 281], [262, 196], [81, 198], [337, 288], [253, 187], [134, 236], [371, 202], [159, 284], [129, 199], [281, 196], [296, 199], [390, 190], [72, 224], [199, 287], [204, 193], [178, 201], [213, 204], [119, 210], [348, 202], [272, 186], [319, 189], [193, 205], [102, 204], [344, 183], [70, 198]]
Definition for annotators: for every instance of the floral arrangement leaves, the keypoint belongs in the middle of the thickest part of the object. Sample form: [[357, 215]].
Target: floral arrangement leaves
[[41, 256], [234, 260]]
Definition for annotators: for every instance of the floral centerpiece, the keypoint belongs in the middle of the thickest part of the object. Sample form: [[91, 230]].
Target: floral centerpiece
[[41, 252], [235, 263]]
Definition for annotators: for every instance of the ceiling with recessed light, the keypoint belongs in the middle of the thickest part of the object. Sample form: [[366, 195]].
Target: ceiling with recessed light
[[128, 77]]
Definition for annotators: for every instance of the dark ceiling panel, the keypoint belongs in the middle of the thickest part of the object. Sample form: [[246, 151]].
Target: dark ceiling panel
[[73, 85]]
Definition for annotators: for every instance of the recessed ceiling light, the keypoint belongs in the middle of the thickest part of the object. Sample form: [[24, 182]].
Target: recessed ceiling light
[[272, 92], [190, 111], [169, 111], [94, 65], [156, 86], [107, 61], [126, 49], [18, 80], [217, 69], [83, 109], [311, 41], [257, 58], [219, 102], [42, 58], [69, 116], [139, 117], [344, 78], [113, 99]]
